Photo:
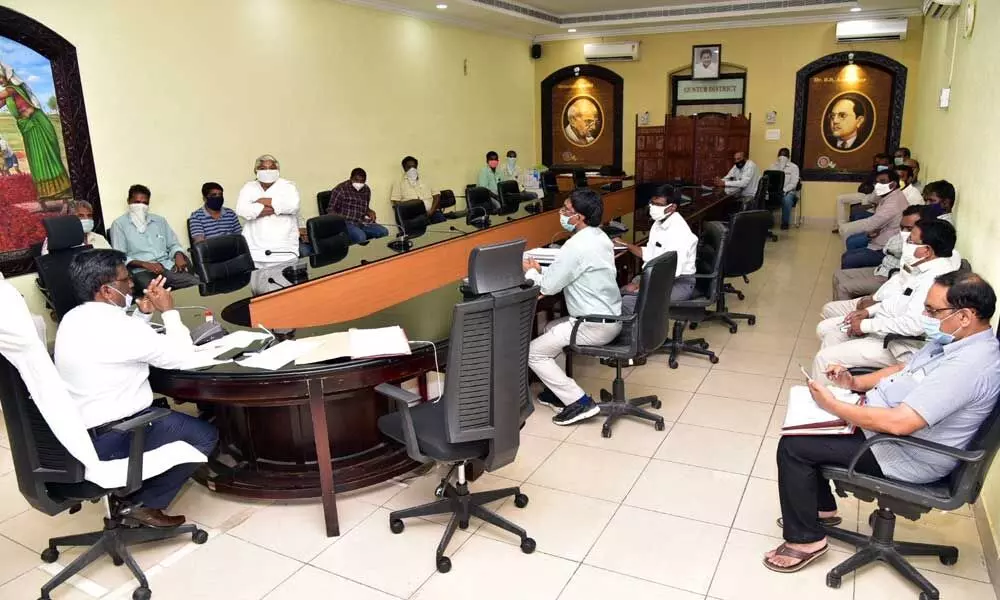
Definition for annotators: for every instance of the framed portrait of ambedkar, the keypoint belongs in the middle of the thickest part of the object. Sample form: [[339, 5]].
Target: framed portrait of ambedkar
[[582, 118], [46, 160], [848, 107]]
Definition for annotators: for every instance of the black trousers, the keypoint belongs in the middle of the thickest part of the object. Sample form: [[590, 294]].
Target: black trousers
[[801, 487]]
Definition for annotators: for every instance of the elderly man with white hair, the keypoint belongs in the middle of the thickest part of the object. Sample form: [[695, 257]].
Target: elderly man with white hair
[[270, 206]]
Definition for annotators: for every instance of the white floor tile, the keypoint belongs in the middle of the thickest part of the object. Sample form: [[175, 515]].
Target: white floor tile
[[590, 472], [710, 448], [686, 491], [215, 510], [742, 386], [766, 465], [29, 585], [531, 453], [16, 560], [629, 435], [12, 503], [741, 416], [591, 583], [685, 378], [878, 582], [310, 582]]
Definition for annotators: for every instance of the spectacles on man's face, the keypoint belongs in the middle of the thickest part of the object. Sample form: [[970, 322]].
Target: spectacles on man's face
[[934, 312], [567, 211]]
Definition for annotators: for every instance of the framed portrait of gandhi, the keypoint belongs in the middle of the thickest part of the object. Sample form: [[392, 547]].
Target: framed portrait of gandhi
[[848, 107], [582, 118]]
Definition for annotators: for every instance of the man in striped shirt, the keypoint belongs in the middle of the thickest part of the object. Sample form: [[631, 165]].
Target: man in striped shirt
[[212, 220]]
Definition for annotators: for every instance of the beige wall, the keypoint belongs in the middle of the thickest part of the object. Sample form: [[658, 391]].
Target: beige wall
[[183, 92], [771, 55], [960, 144]]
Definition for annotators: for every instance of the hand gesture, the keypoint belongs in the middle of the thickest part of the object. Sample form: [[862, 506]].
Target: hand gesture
[[159, 295], [840, 376], [821, 394], [181, 263], [530, 263]]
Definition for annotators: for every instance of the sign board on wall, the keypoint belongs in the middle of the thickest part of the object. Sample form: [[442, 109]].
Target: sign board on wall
[[695, 90]]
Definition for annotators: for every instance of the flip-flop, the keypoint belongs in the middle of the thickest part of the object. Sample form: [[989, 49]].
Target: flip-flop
[[804, 558], [824, 521]]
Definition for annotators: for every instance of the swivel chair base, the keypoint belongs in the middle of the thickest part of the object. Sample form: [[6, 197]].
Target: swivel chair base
[[677, 344], [723, 314], [456, 499], [118, 534], [881, 546], [615, 404]]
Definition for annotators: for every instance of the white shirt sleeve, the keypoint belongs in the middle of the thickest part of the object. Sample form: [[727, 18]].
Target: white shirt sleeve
[[170, 351], [791, 177], [246, 203], [285, 200]]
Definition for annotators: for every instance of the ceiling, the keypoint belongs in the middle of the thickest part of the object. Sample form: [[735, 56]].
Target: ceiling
[[552, 19]]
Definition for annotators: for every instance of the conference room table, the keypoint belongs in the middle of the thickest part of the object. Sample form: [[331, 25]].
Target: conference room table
[[307, 431]]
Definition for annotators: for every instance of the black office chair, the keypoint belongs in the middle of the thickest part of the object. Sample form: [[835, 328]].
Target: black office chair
[[773, 183], [580, 179], [511, 196], [550, 183], [323, 201], [910, 500], [481, 206], [220, 258], [712, 246], [328, 234], [52, 481], [643, 333], [748, 233], [411, 218], [66, 240], [478, 418]]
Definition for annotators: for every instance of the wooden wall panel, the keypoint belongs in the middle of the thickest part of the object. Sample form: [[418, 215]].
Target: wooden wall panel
[[679, 148], [650, 155]]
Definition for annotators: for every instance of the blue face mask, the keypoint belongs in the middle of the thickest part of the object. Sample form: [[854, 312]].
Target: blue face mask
[[882, 168], [564, 221], [932, 329]]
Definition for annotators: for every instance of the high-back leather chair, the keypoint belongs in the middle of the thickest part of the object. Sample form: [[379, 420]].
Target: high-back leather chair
[[478, 417], [480, 206], [329, 239], [221, 258], [550, 184], [323, 201], [643, 333], [747, 236], [580, 179], [66, 240], [411, 217]]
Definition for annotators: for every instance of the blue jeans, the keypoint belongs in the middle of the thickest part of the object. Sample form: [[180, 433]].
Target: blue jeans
[[361, 233], [158, 492], [861, 257], [856, 241], [305, 249], [437, 217], [787, 204], [860, 212]]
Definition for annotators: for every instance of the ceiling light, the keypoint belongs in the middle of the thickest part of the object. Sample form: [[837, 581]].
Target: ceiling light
[[571, 30], [856, 9], [442, 6]]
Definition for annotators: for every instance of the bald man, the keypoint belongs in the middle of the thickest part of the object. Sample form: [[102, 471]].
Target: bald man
[[583, 122]]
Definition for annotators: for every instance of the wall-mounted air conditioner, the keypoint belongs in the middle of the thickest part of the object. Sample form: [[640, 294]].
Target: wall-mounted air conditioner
[[941, 9], [871, 30], [617, 51]]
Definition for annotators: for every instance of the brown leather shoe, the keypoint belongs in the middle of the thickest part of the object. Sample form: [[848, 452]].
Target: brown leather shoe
[[154, 517]]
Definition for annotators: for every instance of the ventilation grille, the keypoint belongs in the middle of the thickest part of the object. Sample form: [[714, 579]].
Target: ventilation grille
[[475, 378], [534, 13]]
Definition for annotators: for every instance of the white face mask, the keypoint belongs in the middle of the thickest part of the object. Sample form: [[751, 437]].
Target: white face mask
[[909, 257], [657, 213], [782, 161], [881, 189], [511, 162], [411, 174], [127, 297], [139, 210], [904, 236], [267, 175], [357, 185]]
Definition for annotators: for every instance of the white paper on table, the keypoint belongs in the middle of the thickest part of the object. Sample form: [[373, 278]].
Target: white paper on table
[[278, 356], [384, 341], [236, 339], [803, 410], [544, 256], [328, 347]]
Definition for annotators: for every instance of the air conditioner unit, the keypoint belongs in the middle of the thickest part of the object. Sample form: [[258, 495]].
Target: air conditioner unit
[[941, 9], [618, 51], [871, 30]]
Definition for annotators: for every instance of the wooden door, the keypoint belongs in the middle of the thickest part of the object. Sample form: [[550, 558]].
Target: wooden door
[[650, 163]]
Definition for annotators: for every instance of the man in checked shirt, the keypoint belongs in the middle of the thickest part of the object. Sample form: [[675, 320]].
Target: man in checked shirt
[[350, 199]]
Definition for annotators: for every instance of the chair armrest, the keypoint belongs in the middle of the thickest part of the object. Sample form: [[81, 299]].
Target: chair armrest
[[404, 401], [706, 275], [862, 370], [597, 319], [895, 337], [962, 455], [137, 446]]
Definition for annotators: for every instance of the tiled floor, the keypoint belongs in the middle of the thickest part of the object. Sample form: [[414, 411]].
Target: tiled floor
[[683, 514]]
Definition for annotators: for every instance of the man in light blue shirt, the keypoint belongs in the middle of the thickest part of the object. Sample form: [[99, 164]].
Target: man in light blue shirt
[[584, 272], [150, 244]]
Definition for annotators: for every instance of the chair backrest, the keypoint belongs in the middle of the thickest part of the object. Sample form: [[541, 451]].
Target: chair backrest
[[65, 236], [328, 235], [967, 479], [479, 198], [965, 267], [496, 267], [652, 320], [411, 216], [745, 242], [774, 188], [487, 379], [550, 184], [712, 248], [39, 458], [579, 178], [323, 201], [222, 257], [446, 199]]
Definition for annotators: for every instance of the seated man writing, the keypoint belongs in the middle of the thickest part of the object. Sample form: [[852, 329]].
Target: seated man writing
[[942, 395], [857, 339], [855, 283], [103, 356], [669, 233], [585, 273]]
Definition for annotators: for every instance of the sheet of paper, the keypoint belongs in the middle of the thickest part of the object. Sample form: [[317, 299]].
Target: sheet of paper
[[545, 256], [237, 339], [803, 410], [384, 341], [278, 356], [328, 347]]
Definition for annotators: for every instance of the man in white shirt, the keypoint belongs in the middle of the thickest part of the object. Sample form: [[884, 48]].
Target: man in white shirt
[[707, 66], [913, 195], [412, 187], [742, 179], [270, 207], [669, 233], [85, 212], [584, 272], [791, 196], [854, 336], [103, 356]]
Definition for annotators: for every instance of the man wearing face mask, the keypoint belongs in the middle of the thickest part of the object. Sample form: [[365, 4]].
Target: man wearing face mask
[[942, 194], [85, 212], [913, 195], [866, 238], [669, 233], [865, 195], [900, 156], [584, 271], [270, 206], [791, 197], [351, 199], [528, 183], [103, 355], [412, 187], [849, 284], [915, 167], [742, 179], [212, 219], [150, 244], [943, 395], [489, 175], [856, 340]]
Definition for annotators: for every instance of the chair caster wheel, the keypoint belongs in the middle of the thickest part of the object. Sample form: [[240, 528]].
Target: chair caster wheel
[[143, 593], [520, 500], [713, 359], [733, 329], [463, 524], [116, 561], [75, 508], [396, 525], [693, 326], [752, 321], [443, 564], [606, 431], [439, 491], [659, 425], [673, 364], [741, 296], [949, 559], [527, 545], [656, 403], [606, 396], [199, 536], [50, 555], [832, 581]]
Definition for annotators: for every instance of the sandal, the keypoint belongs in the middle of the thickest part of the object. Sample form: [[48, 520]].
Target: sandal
[[824, 521], [804, 558]]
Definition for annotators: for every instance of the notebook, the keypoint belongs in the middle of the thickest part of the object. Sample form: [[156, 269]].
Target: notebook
[[805, 417], [356, 344]]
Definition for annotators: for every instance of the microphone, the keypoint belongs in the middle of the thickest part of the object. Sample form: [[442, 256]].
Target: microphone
[[270, 252], [481, 222], [273, 282], [403, 243]]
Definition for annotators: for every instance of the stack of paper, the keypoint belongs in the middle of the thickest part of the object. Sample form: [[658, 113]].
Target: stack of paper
[[237, 339], [279, 355], [805, 417], [357, 343], [544, 256]]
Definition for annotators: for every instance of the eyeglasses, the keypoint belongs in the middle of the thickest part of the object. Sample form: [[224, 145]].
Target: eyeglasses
[[569, 212], [933, 312]]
